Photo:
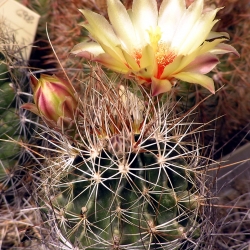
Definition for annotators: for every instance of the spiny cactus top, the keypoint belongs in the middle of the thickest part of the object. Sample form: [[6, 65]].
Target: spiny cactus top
[[157, 47]]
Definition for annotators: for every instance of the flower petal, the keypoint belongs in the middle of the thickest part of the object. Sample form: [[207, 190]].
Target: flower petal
[[67, 108], [148, 63], [144, 16], [122, 24], [203, 80], [202, 64], [131, 61], [170, 68], [33, 82], [203, 49], [209, 46], [93, 51], [47, 106], [114, 52], [111, 63], [185, 25], [160, 86], [147, 56], [170, 13], [87, 50], [224, 48], [100, 28], [31, 107], [61, 86], [199, 32], [215, 35]]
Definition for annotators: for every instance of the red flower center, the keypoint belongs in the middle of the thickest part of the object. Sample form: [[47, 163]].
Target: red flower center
[[163, 57]]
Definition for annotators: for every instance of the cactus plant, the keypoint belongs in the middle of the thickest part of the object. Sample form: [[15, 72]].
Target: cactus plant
[[130, 177], [18, 210]]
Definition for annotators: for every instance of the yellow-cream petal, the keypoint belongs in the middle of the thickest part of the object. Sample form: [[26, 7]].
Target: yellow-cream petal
[[170, 68], [111, 63], [203, 80], [131, 61], [188, 20], [199, 32], [87, 50], [170, 14], [100, 28], [215, 35], [208, 46], [148, 63], [139, 41], [204, 48], [122, 24], [115, 52], [144, 16]]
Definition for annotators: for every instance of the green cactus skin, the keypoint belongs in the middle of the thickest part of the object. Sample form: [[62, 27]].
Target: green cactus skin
[[6, 96], [124, 190], [139, 204], [9, 120]]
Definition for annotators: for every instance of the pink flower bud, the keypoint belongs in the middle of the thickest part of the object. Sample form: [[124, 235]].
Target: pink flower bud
[[55, 100]]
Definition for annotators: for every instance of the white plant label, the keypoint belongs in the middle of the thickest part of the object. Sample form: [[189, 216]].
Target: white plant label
[[21, 23]]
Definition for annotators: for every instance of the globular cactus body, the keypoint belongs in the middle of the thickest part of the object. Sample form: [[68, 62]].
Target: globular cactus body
[[133, 200], [129, 187]]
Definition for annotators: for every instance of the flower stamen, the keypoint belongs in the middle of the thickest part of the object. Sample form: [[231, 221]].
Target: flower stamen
[[138, 55], [163, 57], [154, 37]]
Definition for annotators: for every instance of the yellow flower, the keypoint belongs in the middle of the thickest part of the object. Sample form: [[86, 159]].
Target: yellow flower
[[157, 47]]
